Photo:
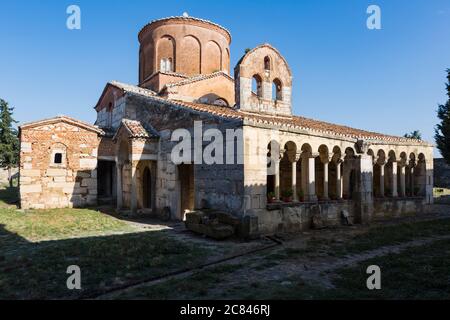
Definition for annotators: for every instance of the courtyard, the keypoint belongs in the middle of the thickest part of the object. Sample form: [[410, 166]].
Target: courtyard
[[145, 259]]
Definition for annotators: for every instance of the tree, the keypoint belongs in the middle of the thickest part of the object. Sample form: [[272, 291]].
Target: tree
[[414, 135], [442, 130], [9, 141]]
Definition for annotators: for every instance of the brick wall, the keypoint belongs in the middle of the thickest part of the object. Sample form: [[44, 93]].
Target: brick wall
[[45, 183]]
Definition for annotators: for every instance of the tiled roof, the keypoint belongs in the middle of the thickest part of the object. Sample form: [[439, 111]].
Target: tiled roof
[[294, 122], [187, 19], [138, 130], [62, 118], [134, 89], [198, 78]]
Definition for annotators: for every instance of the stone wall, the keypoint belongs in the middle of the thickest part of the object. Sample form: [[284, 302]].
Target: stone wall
[[397, 207], [46, 183], [294, 218], [220, 186]]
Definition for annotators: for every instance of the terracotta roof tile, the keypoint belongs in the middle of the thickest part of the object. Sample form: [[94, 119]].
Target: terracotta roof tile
[[198, 78], [138, 130], [296, 122]]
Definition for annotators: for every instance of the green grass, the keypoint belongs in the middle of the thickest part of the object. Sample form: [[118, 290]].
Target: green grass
[[197, 286], [36, 247], [421, 272]]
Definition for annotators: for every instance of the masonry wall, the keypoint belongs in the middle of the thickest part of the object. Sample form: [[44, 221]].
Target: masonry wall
[[218, 186], [44, 184]]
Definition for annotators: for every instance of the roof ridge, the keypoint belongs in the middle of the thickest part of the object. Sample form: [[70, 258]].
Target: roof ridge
[[62, 118], [186, 18], [197, 78], [231, 113]]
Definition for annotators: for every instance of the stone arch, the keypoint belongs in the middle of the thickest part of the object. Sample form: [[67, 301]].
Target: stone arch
[[409, 175], [190, 56], [212, 61], [277, 90], [257, 89], [390, 174], [147, 188], [420, 176], [166, 53], [287, 159], [349, 173], [335, 173], [321, 172]]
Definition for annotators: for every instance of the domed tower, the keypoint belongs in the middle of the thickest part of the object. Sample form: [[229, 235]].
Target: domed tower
[[182, 46]]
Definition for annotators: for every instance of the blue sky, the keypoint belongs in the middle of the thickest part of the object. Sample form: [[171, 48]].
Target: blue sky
[[388, 80]]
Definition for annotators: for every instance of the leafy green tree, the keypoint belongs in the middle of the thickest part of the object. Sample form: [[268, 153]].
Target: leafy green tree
[[414, 135], [9, 141], [442, 131]]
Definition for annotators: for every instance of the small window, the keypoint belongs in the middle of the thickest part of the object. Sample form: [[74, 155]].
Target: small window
[[58, 158], [267, 63]]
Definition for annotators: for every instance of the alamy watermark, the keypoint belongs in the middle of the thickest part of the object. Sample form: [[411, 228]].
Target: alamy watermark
[[374, 280], [374, 19], [213, 146], [74, 280], [73, 21]]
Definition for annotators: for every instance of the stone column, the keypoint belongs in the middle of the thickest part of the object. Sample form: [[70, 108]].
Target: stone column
[[311, 182], [295, 158], [394, 191], [133, 189], [339, 179], [382, 180], [401, 172], [119, 167], [325, 179], [276, 163], [364, 189]]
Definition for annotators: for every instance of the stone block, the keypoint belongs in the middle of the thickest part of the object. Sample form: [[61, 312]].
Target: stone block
[[56, 172], [89, 182], [88, 163], [30, 173], [33, 188], [26, 147]]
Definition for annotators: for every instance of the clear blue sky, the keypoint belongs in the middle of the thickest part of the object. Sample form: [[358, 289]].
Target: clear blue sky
[[388, 80]]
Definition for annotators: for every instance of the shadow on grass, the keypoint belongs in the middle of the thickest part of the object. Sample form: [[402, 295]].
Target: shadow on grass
[[9, 196], [38, 270]]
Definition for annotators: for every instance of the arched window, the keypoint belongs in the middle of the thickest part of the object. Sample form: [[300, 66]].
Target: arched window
[[267, 63], [277, 90], [257, 85]]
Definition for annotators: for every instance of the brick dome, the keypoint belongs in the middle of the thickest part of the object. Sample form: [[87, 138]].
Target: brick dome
[[183, 45]]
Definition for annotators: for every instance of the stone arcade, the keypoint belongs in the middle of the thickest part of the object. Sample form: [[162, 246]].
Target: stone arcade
[[184, 65]]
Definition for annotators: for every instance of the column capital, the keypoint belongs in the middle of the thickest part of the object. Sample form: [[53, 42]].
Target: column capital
[[314, 155]]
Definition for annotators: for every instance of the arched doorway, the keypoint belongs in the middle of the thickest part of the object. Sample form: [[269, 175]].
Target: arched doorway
[[147, 189]]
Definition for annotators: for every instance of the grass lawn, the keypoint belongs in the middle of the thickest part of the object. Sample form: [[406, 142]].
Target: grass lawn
[[36, 247], [416, 273]]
